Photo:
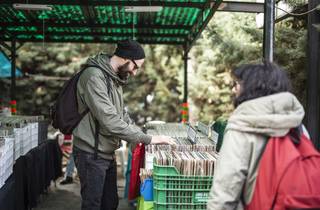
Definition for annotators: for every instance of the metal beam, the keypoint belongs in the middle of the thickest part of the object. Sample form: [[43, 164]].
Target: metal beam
[[95, 40], [5, 45], [185, 88], [300, 9], [185, 106], [20, 45], [233, 6], [87, 10], [4, 31], [268, 30], [3, 51], [199, 19], [313, 75], [213, 8], [103, 34], [113, 3], [95, 25], [13, 70]]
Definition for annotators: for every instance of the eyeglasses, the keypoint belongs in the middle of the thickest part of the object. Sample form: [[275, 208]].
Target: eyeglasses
[[136, 67]]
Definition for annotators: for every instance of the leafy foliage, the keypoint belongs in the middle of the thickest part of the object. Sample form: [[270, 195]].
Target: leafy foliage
[[231, 40], [160, 82]]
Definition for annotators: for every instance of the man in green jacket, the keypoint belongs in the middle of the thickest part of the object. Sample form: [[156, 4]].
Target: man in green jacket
[[100, 90]]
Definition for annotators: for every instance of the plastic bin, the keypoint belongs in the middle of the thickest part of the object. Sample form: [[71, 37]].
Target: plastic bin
[[144, 205], [146, 190], [175, 191]]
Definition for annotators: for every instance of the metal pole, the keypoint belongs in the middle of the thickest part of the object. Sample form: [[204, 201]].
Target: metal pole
[[268, 30], [185, 58], [313, 76], [185, 106], [13, 69]]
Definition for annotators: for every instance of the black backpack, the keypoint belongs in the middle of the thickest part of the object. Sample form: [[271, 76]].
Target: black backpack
[[64, 112]]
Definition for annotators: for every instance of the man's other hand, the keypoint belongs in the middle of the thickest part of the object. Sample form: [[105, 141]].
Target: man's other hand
[[162, 140]]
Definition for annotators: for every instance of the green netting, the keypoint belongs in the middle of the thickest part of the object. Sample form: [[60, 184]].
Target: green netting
[[9, 14], [64, 14], [24, 36], [105, 21], [150, 2]]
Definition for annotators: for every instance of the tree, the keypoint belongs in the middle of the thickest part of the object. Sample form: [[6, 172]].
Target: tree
[[232, 39], [160, 82], [228, 41]]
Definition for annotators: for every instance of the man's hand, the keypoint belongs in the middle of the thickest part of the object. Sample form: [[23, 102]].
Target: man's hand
[[162, 140]]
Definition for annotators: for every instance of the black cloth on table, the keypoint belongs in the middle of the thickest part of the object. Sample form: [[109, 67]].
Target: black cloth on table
[[20, 187], [7, 195], [32, 175]]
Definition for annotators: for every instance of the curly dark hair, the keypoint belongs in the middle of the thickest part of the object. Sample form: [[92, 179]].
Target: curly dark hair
[[257, 80]]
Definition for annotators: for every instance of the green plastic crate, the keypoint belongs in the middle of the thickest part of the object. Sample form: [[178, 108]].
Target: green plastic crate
[[171, 190]]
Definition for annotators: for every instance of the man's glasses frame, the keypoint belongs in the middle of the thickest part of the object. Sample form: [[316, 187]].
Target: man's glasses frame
[[136, 67]]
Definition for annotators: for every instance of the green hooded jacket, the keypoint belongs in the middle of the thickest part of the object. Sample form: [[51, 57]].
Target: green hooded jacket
[[107, 109]]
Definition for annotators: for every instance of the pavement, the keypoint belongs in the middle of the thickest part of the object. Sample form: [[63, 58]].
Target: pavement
[[67, 197]]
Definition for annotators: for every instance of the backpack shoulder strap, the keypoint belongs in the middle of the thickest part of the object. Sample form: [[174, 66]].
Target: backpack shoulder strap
[[96, 139]]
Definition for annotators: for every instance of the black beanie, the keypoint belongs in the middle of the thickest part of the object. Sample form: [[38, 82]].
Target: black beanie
[[130, 49]]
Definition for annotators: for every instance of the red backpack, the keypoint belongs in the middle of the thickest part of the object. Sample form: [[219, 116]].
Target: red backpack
[[288, 175]]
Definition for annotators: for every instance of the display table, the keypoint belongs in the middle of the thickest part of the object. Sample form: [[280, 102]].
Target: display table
[[32, 175]]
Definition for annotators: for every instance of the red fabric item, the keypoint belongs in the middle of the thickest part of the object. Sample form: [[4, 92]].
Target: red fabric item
[[136, 163], [66, 147], [288, 176]]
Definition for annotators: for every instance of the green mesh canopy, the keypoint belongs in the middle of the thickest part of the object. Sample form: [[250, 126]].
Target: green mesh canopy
[[106, 21]]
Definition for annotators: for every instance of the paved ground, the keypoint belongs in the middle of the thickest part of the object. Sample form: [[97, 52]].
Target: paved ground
[[67, 197]]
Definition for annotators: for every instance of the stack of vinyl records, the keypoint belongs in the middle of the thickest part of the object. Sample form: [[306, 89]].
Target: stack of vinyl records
[[182, 173], [187, 139], [188, 163]]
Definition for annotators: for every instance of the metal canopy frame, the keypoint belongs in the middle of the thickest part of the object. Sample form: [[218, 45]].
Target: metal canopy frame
[[236, 6], [105, 21]]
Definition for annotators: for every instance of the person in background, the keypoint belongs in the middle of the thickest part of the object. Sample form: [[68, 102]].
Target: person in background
[[67, 153], [69, 171], [264, 107], [100, 89]]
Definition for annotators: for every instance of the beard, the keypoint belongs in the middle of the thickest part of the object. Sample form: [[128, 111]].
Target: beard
[[123, 71]]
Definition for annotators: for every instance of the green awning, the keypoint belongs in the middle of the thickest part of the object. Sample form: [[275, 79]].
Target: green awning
[[106, 21]]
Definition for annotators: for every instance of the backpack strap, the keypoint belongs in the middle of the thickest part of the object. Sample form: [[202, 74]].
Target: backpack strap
[[96, 140]]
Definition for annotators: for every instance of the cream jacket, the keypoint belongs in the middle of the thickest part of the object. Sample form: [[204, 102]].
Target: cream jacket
[[246, 134]]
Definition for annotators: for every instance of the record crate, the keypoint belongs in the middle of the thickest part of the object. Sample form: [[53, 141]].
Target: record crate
[[175, 191]]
